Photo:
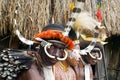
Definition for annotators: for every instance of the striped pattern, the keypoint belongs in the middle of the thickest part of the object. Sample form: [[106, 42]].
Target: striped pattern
[[76, 10], [22, 39], [62, 74]]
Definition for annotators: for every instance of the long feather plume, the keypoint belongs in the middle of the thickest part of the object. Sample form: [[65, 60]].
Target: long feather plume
[[85, 21], [76, 10], [86, 25]]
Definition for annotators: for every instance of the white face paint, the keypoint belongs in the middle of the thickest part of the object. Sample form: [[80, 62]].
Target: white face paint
[[74, 55]]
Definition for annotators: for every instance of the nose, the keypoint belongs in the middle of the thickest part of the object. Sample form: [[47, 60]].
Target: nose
[[76, 54], [58, 53], [95, 55]]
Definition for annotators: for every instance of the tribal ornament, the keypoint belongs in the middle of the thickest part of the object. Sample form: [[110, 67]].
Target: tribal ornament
[[47, 45], [76, 10], [49, 34], [13, 62]]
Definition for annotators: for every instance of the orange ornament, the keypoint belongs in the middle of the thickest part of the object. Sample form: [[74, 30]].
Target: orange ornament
[[49, 34]]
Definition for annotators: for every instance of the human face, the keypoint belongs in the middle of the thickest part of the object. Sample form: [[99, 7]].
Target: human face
[[96, 53], [56, 50]]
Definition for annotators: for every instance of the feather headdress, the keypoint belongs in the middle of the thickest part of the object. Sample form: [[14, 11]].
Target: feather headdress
[[87, 25]]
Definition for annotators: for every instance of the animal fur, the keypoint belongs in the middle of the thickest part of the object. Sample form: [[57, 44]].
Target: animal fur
[[87, 25]]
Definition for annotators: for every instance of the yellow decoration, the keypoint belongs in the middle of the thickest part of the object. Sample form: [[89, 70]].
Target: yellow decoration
[[90, 39], [98, 6], [64, 67], [71, 5]]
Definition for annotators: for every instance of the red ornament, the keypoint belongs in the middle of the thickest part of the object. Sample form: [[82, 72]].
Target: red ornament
[[99, 16], [49, 34]]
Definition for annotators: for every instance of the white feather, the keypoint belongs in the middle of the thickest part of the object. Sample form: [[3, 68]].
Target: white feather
[[79, 5], [86, 21]]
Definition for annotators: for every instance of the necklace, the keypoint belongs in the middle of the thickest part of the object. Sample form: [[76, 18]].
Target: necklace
[[63, 66]]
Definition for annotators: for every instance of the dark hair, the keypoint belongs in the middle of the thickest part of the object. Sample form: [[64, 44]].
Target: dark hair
[[53, 27], [72, 34]]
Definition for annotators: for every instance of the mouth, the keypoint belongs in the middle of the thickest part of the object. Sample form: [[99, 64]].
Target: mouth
[[94, 61], [53, 61]]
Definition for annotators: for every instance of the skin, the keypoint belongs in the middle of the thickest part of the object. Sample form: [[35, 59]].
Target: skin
[[62, 73], [79, 69], [89, 59], [67, 73], [73, 58], [33, 73]]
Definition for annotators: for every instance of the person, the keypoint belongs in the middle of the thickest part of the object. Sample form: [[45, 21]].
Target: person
[[84, 69], [90, 54], [51, 46], [63, 70]]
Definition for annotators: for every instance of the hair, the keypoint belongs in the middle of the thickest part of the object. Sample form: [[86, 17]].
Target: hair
[[53, 27], [72, 35]]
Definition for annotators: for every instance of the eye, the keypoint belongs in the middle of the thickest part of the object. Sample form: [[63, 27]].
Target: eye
[[59, 46], [95, 51], [52, 47]]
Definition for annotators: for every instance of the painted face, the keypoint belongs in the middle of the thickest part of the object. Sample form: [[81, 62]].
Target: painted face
[[95, 53], [56, 49], [55, 52], [74, 56]]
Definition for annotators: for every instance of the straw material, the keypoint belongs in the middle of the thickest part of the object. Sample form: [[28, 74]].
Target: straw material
[[34, 14], [110, 14]]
